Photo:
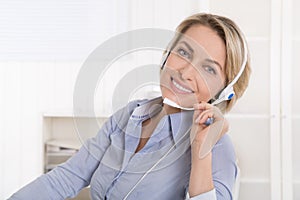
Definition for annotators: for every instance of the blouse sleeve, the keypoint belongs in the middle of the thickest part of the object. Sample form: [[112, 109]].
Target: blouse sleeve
[[224, 172], [210, 195], [67, 179]]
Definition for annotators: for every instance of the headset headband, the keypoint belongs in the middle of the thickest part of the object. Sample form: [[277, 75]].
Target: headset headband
[[227, 93]]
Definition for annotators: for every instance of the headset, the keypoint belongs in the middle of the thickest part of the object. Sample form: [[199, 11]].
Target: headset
[[227, 93]]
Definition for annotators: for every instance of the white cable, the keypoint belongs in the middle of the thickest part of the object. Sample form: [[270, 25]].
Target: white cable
[[149, 170]]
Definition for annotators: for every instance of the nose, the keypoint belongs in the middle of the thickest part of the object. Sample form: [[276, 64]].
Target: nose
[[182, 65], [187, 71]]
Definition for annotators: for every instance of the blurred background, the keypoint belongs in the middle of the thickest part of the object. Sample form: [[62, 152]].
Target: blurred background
[[43, 45]]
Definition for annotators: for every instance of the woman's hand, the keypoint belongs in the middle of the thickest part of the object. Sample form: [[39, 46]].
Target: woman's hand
[[204, 137]]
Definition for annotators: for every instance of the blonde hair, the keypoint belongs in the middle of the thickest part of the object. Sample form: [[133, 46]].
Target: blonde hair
[[233, 39]]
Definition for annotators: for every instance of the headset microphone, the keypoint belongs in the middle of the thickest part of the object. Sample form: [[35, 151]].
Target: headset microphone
[[228, 93]]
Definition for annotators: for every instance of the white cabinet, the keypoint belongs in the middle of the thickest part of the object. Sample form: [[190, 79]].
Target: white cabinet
[[62, 139]]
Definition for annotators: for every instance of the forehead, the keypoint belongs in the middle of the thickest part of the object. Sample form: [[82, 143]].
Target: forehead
[[200, 36]]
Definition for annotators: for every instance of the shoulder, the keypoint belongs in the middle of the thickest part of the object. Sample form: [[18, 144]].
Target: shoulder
[[224, 145], [224, 167], [129, 108], [122, 115], [223, 152], [126, 111]]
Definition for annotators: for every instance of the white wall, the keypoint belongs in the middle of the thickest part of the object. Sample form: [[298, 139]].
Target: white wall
[[43, 46], [295, 88]]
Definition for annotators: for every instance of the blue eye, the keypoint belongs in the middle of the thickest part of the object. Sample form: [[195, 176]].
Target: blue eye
[[184, 53], [210, 69]]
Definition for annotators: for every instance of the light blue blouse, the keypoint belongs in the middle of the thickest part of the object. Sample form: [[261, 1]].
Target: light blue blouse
[[109, 164]]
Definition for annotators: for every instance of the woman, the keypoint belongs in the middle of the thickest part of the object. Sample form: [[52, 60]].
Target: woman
[[147, 150]]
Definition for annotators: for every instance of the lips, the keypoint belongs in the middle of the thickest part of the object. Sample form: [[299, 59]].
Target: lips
[[179, 87]]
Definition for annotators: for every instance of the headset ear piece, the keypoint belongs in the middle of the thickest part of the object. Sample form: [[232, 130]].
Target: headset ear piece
[[229, 94], [225, 95]]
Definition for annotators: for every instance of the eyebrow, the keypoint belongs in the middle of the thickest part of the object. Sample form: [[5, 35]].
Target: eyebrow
[[214, 62], [188, 46], [207, 59]]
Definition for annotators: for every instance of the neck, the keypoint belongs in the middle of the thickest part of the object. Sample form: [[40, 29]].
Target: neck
[[166, 109], [150, 124]]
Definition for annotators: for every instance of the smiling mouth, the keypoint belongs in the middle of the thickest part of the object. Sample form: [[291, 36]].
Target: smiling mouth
[[179, 87]]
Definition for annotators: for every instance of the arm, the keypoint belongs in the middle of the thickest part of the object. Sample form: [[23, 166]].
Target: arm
[[67, 179], [201, 180], [213, 176], [221, 163]]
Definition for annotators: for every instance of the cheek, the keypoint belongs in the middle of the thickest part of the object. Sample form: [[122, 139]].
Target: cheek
[[175, 62], [166, 93], [205, 90], [203, 94], [164, 77]]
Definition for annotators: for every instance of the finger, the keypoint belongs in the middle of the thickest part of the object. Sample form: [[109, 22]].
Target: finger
[[204, 115], [205, 106], [218, 115], [202, 106], [197, 113]]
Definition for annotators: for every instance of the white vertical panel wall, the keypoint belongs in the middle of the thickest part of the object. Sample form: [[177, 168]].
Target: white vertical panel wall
[[295, 88], [275, 148], [286, 100], [1, 126], [12, 114]]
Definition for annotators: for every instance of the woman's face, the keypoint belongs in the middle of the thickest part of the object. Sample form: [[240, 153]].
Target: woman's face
[[195, 68]]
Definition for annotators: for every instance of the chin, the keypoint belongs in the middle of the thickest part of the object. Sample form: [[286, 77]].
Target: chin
[[186, 100]]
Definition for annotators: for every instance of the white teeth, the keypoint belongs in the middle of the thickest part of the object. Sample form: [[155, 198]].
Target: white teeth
[[180, 87]]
